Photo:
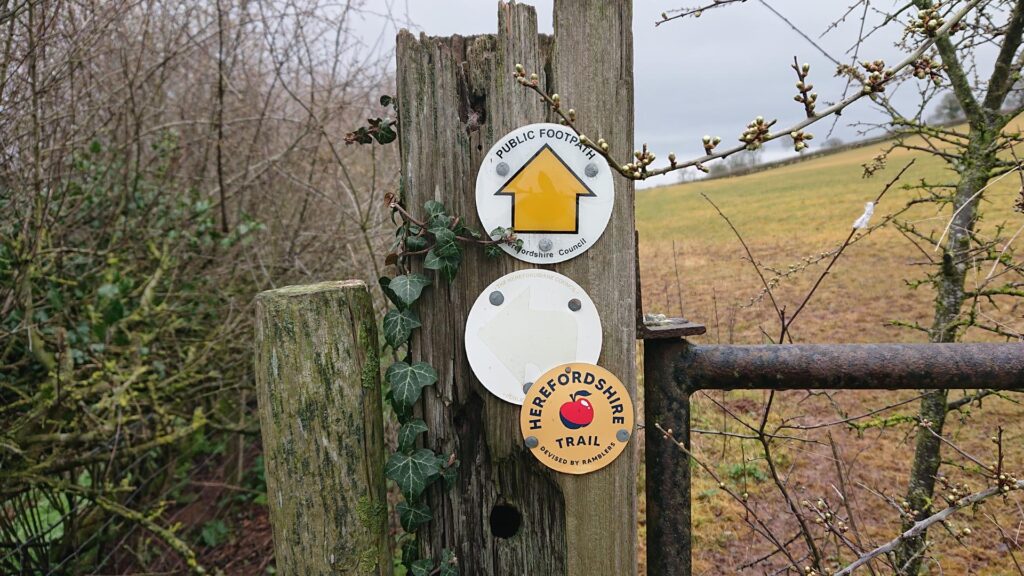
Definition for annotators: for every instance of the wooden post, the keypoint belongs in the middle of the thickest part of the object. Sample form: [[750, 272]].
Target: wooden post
[[508, 514], [318, 384]]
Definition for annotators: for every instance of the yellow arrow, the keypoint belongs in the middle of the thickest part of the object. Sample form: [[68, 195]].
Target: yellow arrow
[[545, 195]]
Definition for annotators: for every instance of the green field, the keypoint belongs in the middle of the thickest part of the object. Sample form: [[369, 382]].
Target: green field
[[691, 263], [785, 215]]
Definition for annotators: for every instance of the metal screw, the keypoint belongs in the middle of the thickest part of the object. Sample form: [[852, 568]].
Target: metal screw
[[622, 435], [575, 304], [544, 244], [526, 387], [496, 298], [502, 168], [590, 170], [531, 442]]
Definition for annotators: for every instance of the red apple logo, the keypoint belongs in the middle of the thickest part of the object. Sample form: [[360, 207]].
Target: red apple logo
[[577, 413]]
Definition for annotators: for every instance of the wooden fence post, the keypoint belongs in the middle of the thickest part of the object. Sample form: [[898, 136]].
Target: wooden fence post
[[318, 383], [508, 514]]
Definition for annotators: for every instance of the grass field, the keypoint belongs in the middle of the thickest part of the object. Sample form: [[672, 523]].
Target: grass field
[[692, 264]]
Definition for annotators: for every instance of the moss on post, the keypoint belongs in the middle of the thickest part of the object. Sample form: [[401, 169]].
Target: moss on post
[[318, 380]]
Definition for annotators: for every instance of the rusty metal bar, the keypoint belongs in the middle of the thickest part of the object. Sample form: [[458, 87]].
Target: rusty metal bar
[[850, 366], [673, 369]]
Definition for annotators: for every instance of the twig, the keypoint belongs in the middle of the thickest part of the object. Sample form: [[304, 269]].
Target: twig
[[842, 248], [642, 172], [750, 257], [921, 526]]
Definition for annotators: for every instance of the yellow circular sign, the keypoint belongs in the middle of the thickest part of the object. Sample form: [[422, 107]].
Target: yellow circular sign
[[577, 418]]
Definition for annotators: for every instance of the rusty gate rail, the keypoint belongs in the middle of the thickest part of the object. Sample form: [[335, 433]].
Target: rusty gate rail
[[673, 369]]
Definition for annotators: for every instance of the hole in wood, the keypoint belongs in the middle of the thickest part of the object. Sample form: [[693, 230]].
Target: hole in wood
[[505, 520]]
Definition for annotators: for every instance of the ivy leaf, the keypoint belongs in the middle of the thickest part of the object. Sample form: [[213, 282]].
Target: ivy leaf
[[407, 382], [410, 552], [449, 563], [408, 433], [446, 255], [413, 472], [412, 516], [398, 326], [386, 99], [421, 567], [433, 208], [415, 243], [492, 250], [385, 286], [385, 133], [408, 287]]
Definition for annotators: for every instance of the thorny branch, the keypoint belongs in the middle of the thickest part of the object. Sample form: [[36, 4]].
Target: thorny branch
[[758, 131]]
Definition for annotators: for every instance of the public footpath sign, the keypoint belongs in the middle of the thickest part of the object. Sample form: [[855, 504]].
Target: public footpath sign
[[577, 418], [554, 192], [524, 324]]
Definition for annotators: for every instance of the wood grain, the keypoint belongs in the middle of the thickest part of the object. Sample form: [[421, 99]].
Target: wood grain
[[318, 384], [456, 97]]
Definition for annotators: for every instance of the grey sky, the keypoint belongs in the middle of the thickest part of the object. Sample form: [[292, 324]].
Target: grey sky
[[714, 74]]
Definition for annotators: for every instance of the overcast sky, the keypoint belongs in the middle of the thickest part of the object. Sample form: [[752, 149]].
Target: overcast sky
[[710, 75]]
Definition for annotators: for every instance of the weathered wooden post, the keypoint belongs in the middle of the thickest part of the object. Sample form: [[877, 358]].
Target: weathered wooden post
[[508, 514], [318, 380]]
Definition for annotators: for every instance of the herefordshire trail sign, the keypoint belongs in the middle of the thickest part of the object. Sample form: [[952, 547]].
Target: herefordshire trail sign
[[526, 323], [542, 182], [577, 418]]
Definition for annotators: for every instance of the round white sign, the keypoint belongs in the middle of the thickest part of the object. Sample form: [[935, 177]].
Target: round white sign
[[554, 192], [526, 323]]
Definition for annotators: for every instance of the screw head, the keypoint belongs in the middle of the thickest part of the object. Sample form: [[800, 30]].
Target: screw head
[[622, 435], [496, 298], [502, 168], [531, 442], [526, 387], [545, 244], [590, 170], [575, 305]]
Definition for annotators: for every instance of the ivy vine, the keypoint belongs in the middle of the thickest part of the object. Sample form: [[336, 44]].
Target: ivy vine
[[437, 238]]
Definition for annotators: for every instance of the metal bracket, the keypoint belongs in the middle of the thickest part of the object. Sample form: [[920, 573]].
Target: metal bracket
[[658, 326]]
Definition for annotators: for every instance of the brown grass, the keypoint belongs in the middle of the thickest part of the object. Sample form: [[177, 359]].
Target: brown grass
[[785, 215]]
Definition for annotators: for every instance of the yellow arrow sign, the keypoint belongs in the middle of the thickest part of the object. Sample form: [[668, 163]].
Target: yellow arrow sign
[[545, 195]]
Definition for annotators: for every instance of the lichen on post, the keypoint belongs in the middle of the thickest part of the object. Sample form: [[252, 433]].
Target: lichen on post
[[318, 380]]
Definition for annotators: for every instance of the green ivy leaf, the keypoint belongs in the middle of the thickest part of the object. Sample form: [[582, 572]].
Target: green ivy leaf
[[407, 382], [451, 474], [449, 563], [413, 472], [433, 208], [398, 326], [421, 567], [445, 242], [415, 243], [385, 133], [407, 288], [410, 550], [408, 433], [385, 286], [492, 250], [412, 516], [446, 255]]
